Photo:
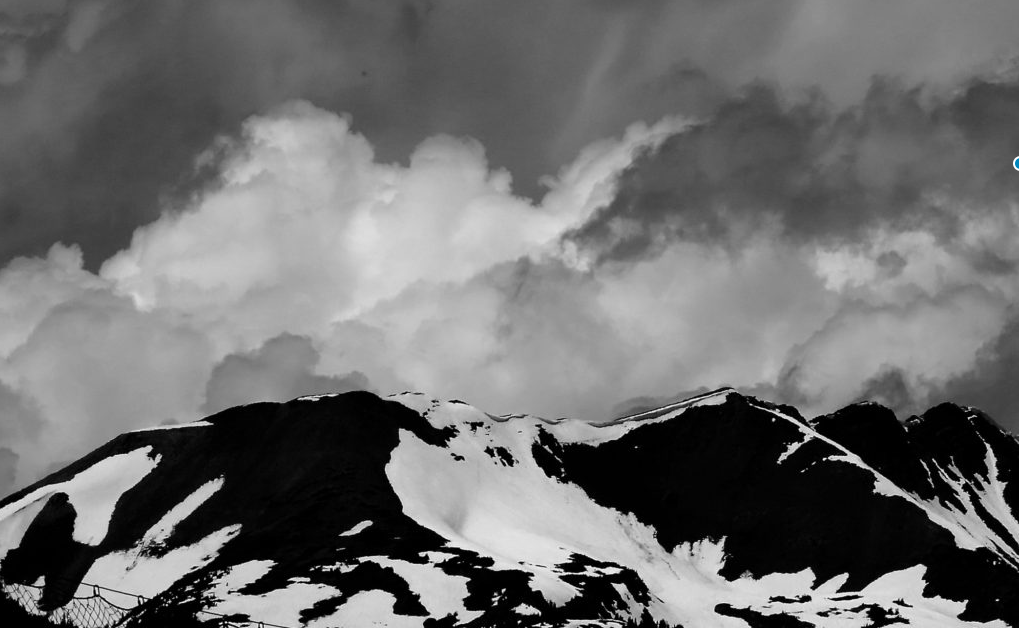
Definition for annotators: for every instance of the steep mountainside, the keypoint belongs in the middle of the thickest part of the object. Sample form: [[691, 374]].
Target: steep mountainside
[[353, 510]]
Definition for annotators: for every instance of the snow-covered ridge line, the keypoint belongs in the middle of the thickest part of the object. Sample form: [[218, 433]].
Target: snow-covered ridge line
[[690, 401], [454, 513], [451, 412], [172, 426], [967, 526]]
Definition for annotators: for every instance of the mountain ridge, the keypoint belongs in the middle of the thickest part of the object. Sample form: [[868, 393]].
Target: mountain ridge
[[707, 511]]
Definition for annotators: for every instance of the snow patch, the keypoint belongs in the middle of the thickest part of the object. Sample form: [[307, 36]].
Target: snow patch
[[992, 496], [441, 594], [368, 608], [526, 610], [359, 528], [138, 571], [176, 426], [93, 493], [898, 594], [317, 397], [281, 606], [633, 607], [161, 531], [147, 571], [967, 524], [791, 449]]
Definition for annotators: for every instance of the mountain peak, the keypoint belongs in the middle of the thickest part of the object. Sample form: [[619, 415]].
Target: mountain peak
[[350, 509]]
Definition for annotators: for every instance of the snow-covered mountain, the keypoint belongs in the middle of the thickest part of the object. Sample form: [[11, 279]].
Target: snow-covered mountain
[[355, 510]]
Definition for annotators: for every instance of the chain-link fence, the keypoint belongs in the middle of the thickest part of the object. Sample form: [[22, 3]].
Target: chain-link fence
[[95, 606], [87, 609]]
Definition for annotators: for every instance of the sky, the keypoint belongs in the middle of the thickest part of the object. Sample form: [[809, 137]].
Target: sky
[[567, 208]]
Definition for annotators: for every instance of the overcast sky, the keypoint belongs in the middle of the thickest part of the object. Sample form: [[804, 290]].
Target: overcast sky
[[563, 208]]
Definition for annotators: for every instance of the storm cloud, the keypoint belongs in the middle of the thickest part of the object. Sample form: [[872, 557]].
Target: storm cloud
[[105, 103], [565, 208], [906, 201], [280, 370], [899, 159]]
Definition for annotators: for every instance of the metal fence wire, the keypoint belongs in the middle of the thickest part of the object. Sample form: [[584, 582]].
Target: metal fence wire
[[91, 611], [94, 609]]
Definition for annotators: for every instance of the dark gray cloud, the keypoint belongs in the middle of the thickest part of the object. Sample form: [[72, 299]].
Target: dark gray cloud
[[890, 388], [280, 370], [992, 385], [105, 103], [824, 177], [21, 419], [821, 172], [822, 233], [100, 138], [8, 469], [20, 426]]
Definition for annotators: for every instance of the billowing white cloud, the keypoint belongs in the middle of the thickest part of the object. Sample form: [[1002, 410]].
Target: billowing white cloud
[[310, 263], [31, 287], [928, 340], [95, 365], [304, 235], [307, 229]]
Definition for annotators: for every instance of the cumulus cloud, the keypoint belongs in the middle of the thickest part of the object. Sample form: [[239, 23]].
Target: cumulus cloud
[[104, 103], [545, 336], [926, 342], [903, 208], [8, 468], [800, 247], [251, 292], [22, 419], [302, 180], [901, 157], [95, 365]]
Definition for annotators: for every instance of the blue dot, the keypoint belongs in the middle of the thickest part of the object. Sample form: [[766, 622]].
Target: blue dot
[[1015, 163]]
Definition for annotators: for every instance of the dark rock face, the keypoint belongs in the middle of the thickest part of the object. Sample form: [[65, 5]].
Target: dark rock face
[[872, 432], [774, 517], [687, 515], [48, 550]]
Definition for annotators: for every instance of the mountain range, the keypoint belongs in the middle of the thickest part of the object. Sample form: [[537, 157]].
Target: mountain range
[[357, 510]]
